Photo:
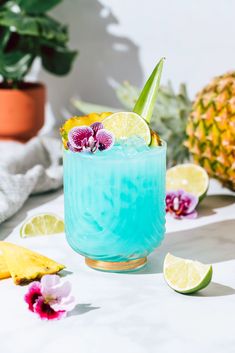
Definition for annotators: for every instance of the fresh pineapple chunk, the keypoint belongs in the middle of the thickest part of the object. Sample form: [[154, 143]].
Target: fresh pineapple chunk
[[25, 265], [4, 272], [155, 139]]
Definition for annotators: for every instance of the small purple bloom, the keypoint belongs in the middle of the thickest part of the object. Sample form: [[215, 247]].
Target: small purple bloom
[[96, 127], [73, 149], [105, 139], [78, 138], [180, 204], [90, 139]]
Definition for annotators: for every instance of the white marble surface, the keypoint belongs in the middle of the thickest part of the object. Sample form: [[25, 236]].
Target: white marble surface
[[131, 313]]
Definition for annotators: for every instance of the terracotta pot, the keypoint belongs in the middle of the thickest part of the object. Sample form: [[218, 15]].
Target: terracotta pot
[[22, 111]]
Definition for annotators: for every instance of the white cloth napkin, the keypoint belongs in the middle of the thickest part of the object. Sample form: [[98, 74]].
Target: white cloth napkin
[[25, 169]]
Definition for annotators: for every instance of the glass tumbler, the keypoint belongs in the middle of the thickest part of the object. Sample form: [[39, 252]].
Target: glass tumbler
[[115, 206]]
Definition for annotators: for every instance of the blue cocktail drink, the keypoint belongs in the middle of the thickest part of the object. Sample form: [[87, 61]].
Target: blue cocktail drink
[[114, 184], [115, 204]]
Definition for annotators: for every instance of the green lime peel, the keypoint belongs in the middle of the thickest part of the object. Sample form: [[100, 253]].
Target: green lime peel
[[146, 101]]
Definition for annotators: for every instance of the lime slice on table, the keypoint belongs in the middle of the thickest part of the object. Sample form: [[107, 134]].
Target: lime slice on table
[[127, 124], [188, 177], [186, 276], [42, 224]]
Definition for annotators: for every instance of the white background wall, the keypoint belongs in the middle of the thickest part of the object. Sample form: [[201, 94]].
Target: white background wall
[[123, 39]]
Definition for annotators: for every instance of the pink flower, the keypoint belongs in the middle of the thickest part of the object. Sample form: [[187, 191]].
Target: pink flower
[[90, 138], [34, 292], [180, 204], [50, 299]]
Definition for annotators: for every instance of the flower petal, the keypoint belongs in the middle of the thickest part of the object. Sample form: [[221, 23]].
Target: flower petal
[[73, 149], [46, 312], [64, 289], [97, 126], [49, 281], [193, 203], [181, 204], [171, 194], [67, 304], [34, 292], [92, 144], [58, 292], [105, 139], [54, 289], [79, 134]]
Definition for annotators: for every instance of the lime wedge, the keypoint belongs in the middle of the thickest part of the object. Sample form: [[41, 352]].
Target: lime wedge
[[127, 124], [43, 224], [188, 177], [186, 276]]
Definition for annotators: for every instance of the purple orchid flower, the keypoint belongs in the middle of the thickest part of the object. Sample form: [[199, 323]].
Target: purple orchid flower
[[180, 204], [90, 138]]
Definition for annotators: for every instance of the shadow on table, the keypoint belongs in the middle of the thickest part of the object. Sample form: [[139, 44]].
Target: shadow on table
[[215, 290], [118, 58], [33, 201], [210, 243], [65, 273], [82, 309], [211, 202]]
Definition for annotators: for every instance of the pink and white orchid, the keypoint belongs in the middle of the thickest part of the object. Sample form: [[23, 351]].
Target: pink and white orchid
[[50, 299], [180, 204], [90, 138]]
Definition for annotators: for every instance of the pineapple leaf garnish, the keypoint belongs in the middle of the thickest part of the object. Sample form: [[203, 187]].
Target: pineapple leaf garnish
[[147, 99]]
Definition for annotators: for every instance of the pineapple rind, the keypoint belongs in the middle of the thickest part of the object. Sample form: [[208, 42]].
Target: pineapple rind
[[211, 129]]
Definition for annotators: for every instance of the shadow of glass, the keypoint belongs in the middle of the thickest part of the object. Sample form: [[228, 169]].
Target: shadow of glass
[[103, 58], [215, 290], [210, 243], [32, 202], [81, 309], [212, 202]]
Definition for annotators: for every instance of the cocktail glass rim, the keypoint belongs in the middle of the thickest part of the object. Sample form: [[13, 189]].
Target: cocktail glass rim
[[105, 155]]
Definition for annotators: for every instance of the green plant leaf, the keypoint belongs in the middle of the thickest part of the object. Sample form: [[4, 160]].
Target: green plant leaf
[[14, 66], [37, 6], [147, 99], [27, 32], [38, 26], [5, 34], [21, 24], [57, 60], [52, 30]]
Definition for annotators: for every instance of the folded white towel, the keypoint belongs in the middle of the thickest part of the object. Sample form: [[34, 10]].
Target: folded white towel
[[26, 169]]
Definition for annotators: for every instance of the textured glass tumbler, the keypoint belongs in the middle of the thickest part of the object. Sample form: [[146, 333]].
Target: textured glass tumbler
[[115, 206]]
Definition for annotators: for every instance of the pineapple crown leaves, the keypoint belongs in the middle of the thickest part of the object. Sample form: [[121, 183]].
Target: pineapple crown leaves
[[170, 115], [169, 119]]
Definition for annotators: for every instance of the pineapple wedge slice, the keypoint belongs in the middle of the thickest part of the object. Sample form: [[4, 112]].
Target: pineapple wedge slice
[[4, 272], [155, 139], [26, 265]]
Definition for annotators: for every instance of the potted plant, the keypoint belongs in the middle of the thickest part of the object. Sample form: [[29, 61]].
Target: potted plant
[[28, 32]]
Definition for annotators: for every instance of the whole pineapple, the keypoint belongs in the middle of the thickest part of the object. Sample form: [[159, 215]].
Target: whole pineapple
[[211, 129]]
